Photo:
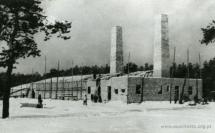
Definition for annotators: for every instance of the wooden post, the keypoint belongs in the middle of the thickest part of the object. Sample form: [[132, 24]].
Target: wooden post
[[63, 88], [186, 79], [142, 86], [58, 67], [68, 90], [172, 76], [188, 70], [81, 82], [50, 88], [77, 87], [72, 81], [197, 85], [128, 75], [21, 89], [45, 80], [128, 63], [32, 80], [200, 71]]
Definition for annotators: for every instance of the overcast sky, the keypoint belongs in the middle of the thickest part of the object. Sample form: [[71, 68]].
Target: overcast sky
[[92, 21]]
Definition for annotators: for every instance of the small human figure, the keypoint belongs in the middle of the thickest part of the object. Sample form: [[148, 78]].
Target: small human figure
[[175, 99], [205, 100], [23, 95], [40, 101], [95, 98], [33, 94], [85, 100], [100, 99], [196, 100], [92, 97]]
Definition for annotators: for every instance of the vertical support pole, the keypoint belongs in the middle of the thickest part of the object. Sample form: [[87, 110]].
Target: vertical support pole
[[81, 81], [63, 88], [68, 90], [128, 63], [188, 70], [186, 79], [200, 64], [50, 89], [45, 80], [142, 80], [21, 91], [197, 85], [172, 76], [77, 86], [72, 81], [128, 75], [58, 67], [32, 81]]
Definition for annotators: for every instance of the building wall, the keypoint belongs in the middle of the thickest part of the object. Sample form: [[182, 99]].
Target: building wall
[[104, 89], [126, 88], [152, 87], [120, 84], [91, 84], [116, 83], [134, 97]]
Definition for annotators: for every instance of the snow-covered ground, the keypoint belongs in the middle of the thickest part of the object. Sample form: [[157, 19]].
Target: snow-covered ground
[[113, 117]]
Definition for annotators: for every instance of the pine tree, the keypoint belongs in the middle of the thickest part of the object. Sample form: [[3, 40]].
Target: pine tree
[[20, 20]]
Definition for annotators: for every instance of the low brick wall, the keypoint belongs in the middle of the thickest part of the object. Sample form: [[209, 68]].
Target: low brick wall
[[115, 83], [158, 89], [120, 84]]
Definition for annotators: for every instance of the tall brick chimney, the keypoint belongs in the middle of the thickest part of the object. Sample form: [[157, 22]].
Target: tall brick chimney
[[161, 48], [116, 55]]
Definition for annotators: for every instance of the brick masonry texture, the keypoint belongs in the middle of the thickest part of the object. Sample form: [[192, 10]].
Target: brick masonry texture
[[161, 47], [116, 56], [152, 86]]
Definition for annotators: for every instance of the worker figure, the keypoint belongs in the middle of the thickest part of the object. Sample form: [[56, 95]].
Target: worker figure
[[23, 95], [85, 100], [175, 98], [33, 94], [40, 101], [205, 100]]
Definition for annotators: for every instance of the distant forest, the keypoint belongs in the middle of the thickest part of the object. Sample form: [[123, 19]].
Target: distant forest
[[207, 73], [19, 78]]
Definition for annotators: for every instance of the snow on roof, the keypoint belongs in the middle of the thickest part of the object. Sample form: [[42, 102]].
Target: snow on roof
[[54, 79], [84, 77], [23, 86], [66, 78]]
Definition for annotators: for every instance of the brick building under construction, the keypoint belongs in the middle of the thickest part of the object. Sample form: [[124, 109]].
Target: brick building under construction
[[155, 85]]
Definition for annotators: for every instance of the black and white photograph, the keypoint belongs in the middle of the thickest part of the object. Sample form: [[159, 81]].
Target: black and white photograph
[[107, 66]]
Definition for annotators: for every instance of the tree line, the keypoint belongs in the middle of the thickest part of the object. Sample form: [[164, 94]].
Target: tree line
[[207, 73]]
